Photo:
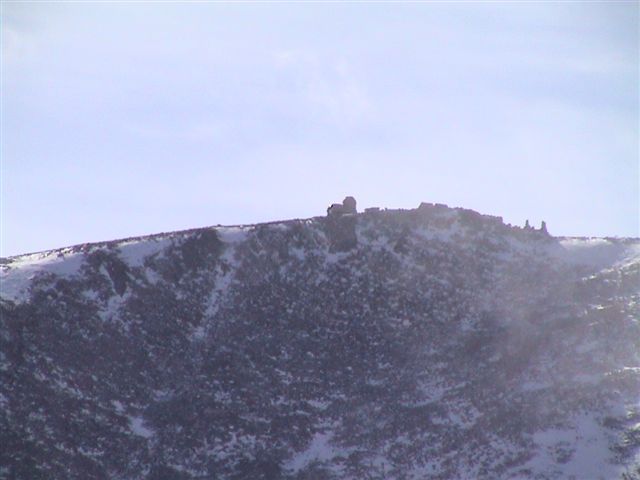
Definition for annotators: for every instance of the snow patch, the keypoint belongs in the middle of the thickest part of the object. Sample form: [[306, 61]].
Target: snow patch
[[320, 449], [16, 276], [232, 234], [134, 253], [226, 274], [597, 252], [298, 253], [118, 406], [578, 452], [136, 424]]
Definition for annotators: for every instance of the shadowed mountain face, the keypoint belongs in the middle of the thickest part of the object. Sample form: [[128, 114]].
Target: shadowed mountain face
[[430, 344]]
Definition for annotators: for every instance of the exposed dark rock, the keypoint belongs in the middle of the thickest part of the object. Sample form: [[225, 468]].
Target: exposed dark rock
[[116, 269]]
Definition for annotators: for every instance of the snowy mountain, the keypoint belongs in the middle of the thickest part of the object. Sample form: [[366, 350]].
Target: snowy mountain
[[433, 343]]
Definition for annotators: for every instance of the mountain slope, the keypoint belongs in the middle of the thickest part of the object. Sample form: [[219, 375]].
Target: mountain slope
[[428, 343]]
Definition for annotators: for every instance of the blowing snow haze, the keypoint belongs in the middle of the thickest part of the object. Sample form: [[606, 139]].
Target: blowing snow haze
[[433, 343]]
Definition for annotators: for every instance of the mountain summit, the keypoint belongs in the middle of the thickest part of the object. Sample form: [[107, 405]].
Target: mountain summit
[[433, 343]]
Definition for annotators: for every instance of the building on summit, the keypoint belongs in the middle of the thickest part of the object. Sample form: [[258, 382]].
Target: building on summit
[[348, 205]]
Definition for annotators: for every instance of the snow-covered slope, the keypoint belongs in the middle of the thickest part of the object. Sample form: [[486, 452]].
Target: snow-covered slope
[[428, 343]]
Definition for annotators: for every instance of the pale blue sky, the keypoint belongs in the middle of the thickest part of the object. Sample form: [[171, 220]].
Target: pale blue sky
[[123, 119]]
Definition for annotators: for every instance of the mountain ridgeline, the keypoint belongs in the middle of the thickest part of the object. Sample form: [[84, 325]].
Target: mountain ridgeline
[[433, 343]]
